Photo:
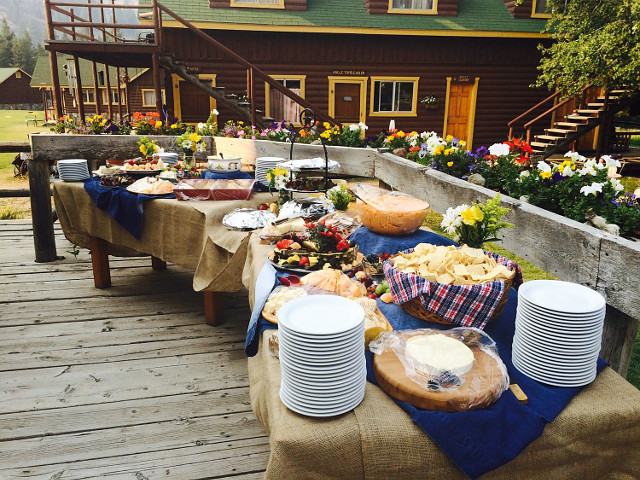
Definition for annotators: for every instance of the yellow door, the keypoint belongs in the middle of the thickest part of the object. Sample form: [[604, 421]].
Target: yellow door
[[459, 109]]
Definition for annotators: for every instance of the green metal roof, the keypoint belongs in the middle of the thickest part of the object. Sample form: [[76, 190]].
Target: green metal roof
[[42, 73], [8, 71], [473, 16]]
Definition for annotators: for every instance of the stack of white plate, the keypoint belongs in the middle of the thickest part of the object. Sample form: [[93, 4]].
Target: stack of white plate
[[322, 355], [558, 332], [73, 169], [168, 158], [263, 165]]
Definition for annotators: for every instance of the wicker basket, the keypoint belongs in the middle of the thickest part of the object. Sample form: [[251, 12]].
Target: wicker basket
[[415, 308]]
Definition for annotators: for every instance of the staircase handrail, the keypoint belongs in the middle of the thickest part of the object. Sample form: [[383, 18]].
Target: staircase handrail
[[257, 71], [510, 124], [554, 108]]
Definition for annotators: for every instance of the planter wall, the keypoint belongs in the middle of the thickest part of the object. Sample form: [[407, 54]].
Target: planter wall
[[567, 249]]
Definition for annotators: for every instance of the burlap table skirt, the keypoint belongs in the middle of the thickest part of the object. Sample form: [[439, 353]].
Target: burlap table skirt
[[189, 234], [596, 437]]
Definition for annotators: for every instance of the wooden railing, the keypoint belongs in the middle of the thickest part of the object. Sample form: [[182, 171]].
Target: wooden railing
[[77, 24], [528, 126]]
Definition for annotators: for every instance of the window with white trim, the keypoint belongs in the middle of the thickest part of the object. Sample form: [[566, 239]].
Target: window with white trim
[[88, 95], [412, 6], [282, 108], [149, 97], [115, 98], [394, 96]]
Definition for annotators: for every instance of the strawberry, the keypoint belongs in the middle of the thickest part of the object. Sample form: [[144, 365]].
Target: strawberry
[[284, 244], [304, 261], [294, 279], [342, 245]]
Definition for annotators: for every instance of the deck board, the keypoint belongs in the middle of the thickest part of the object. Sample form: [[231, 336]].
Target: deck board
[[122, 383]]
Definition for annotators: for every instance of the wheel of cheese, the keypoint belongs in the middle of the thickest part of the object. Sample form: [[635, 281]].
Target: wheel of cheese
[[482, 385]]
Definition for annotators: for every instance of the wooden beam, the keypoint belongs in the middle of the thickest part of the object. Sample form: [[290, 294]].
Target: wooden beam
[[213, 303], [44, 241], [100, 262], [14, 147]]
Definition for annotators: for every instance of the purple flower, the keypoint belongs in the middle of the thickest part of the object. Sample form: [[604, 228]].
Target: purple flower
[[111, 129], [481, 152]]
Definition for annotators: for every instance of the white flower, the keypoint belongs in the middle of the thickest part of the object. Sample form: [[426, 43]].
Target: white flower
[[452, 219], [215, 112], [499, 149], [187, 144], [200, 147], [575, 156], [363, 126], [544, 166], [524, 173], [353, 127], [567, 172], [617, 186], [594, 188], [600, 166], [611, 162]]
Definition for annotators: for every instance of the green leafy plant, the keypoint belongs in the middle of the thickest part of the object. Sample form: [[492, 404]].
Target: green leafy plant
[[340, 197]]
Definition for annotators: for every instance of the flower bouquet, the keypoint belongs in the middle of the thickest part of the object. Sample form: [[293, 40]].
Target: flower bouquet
[[475, 224], [147, 147]]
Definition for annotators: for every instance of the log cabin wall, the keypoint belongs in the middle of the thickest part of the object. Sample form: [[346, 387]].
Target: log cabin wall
[[16, 89], [288, 4], [446, 8], [505, 68]]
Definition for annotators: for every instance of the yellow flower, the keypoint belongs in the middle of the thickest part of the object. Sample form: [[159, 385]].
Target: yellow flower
[[449, 138], [102, 123], [401, 134], [413, 134], [472, 215], [462, 144], [390, 138], [143, 149], [448, 151], [545, 175], [326, 125], [438, 150], [326, 134], [240, 122], [194, 137], [449, 164], [175, 125]]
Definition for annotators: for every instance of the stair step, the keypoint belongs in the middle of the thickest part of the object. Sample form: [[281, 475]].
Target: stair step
[[595, 105], [560, 132], [578, 119], [268, 119], [593, 113], [549, 138], [573, 127], [542, 145], [611, 97], [231, 96], [219, 89], [244, 104]]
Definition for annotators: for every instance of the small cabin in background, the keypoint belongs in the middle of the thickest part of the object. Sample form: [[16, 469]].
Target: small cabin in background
[[15, 90]]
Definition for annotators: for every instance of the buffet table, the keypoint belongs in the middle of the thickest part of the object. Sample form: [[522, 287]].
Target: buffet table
[[596, 436], [189, 234]]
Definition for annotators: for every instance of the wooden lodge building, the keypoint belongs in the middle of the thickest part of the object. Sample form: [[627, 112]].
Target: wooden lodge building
[[369, 61], [15, 92]]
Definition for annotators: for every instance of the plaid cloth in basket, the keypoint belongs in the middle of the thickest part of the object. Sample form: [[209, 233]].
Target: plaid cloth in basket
[[464, 305]]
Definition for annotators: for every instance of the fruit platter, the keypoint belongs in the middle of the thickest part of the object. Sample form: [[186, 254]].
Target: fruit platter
[[141, 168], [309, 184], [320, 246]]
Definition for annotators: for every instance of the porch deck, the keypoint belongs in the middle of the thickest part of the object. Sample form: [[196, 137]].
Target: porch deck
[[127, 382]]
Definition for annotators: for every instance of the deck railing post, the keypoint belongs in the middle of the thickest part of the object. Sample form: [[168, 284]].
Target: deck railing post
[[44, 241]]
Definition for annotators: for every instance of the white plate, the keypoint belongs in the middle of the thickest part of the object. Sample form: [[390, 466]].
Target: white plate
[[350, 375], [524, 306], [557, 381], [549, 362], [313, 360], [321, 315], [542, 342], [564, 338], [324, 385], [336, 393], [561, 296], [72, 161], [321, 356], [324, 341], [559, 331], [321, 402], [345, 370], [308, 164], [320, 412]]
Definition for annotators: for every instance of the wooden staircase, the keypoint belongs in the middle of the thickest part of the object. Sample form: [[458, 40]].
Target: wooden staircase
[[574, 125]]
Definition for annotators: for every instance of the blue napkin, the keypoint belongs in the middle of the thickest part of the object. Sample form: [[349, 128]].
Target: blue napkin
[[477, 441], [124, 207], [237, 175]]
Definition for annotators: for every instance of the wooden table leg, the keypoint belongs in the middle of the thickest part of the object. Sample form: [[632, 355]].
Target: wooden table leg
[[100, 262], [158, 264], [213, 302]]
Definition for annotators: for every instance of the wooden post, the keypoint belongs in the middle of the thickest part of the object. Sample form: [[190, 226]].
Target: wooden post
[[618, 339], [125, 83], [94, 69], [156, 81], [213, 303], [53, 63], [100, 262], [107, 80], [44, 240]]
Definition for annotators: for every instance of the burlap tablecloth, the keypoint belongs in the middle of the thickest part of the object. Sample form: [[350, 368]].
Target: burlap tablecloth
[[596, 437], [189, 234]]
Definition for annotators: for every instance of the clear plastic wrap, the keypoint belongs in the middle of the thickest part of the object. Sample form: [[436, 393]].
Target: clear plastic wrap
[[196, 189], [476, 385], [310, 208], [247, 219]]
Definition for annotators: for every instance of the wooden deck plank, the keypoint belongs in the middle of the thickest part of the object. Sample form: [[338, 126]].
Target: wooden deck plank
[[123, 383]]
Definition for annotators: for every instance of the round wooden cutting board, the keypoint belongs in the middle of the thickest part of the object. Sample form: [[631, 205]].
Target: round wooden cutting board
[[482, 385]]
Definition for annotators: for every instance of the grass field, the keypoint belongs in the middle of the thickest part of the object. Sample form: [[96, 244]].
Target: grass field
[[13, 128]]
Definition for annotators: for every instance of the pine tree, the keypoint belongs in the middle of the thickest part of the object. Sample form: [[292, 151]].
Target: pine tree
[[6, 44], [24, 55]]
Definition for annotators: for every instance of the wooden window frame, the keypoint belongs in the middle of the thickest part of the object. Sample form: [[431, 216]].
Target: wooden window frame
[[90, 92], [404, 11], [236, 4], [267, 91], [538, 15], [414, 106], [105, 99], [162, 92], [18, 74]]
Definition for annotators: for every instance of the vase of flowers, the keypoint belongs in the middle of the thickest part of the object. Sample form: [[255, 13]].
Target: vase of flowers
[[430, 102], [476, 223], [191, 144]]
